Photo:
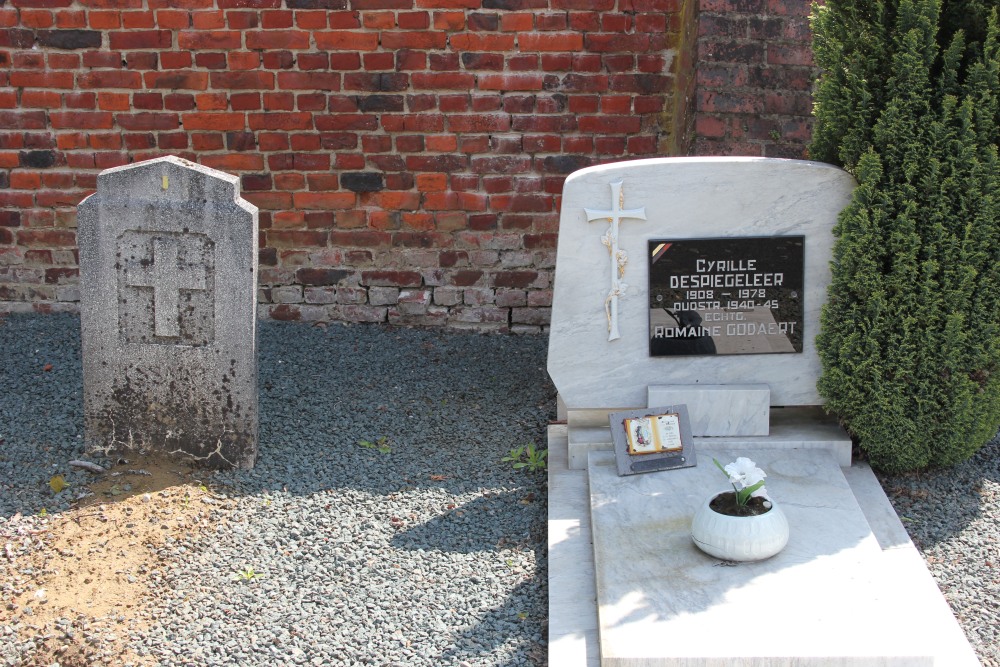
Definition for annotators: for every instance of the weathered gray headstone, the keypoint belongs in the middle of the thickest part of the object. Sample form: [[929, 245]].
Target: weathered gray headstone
[[168, 277]]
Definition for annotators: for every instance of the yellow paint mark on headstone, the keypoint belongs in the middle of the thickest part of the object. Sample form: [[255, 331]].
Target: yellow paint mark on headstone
[[166, 181]]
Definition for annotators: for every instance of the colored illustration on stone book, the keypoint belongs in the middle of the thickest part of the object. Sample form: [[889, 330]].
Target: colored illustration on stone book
[[653, 434]]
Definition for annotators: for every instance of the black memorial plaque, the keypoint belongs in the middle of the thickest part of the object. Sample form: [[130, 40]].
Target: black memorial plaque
[[726, 296]]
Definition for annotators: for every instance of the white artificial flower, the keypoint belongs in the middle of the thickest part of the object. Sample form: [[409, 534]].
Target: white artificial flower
[[744, 472]]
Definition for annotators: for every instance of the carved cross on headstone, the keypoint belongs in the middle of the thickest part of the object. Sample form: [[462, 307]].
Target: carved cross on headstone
[[167, 276], [618, 257]]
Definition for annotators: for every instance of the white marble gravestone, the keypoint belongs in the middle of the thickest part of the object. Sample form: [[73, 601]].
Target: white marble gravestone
[[168, 275], [627, 586], [599, 344]]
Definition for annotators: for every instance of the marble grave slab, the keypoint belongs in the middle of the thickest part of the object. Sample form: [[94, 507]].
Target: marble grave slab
[[832, 597]]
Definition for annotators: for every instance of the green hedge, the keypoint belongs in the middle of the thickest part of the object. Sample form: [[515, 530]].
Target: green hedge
[[907, 101]]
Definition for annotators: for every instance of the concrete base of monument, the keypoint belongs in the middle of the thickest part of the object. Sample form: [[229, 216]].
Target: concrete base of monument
[[791, 428], [628, 587]]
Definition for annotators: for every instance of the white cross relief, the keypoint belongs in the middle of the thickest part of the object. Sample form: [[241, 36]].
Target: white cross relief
[[619, 258], [167, 277]]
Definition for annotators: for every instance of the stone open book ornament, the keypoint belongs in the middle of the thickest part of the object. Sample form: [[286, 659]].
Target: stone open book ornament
[[652, 439]]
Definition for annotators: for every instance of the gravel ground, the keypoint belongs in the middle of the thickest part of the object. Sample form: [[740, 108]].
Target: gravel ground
[[430, 553], [953, 517]]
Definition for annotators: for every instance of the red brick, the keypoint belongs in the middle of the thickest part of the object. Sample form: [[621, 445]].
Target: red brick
[[391, 278], [242, 60], [98, 120], [511, 81], [521, 203], [36, 18], [408, 201], [441, 143], [104, 140], [278, 39], [562, 41], [211, 60], [324, 200], [378, 20], [279, 101], [788, 8], [414, 20], [104, 20], [346, 40], [280, 121], [205, 142], [445, 80], [144, 60], [179, 60], [141, 39], [616, 42], [360, 239], [243, 80], [25, 180], [211, 102], [29, 79], [276, 19], [234, 162], [296, 238], [449, 20], [461, 201], [379, 61], [133, 20], [313, 61], [71, 19], [103, 59], [213, 121], [178, 102], [479, 123], [343, 20], [352, 162], [791, 103], [709, 126], [311, 20], [219, 40], [109, 79], [609, 124], [177, 80], [472, 41], [113, 101], [46, 238], [434, 182], [346, 122], [43, 99], [148, 121], [789, 54], [308, 81], [424, 39], [173, 19]]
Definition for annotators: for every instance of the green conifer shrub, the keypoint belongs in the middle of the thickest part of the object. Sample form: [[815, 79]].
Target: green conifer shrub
[[907, 101]]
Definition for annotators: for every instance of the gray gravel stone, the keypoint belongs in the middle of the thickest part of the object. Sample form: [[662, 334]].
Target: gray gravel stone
[[432, 553]]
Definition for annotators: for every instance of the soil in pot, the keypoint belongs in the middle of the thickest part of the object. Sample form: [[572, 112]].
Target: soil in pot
[[725, 503]]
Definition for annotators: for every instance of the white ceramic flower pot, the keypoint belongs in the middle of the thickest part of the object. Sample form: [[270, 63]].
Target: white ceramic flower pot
[[739, 538]]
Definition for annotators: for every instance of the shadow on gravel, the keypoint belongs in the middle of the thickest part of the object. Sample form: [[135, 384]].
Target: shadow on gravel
[[471, 526], [448, 406], [470, 641], [938, 505]]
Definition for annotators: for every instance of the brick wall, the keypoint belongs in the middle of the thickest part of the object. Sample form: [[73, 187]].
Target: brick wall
[[754, 78], [406, 155]]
